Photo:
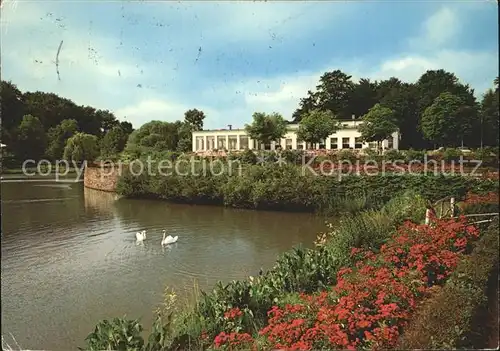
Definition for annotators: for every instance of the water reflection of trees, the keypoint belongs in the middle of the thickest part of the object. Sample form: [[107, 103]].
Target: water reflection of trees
[[33, 205], [100, 201]]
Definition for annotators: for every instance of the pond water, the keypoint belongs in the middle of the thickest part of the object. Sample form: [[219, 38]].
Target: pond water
[[70, 258]]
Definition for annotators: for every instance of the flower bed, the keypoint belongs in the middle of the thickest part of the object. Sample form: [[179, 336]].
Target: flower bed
[[456, 317], [372, 301]]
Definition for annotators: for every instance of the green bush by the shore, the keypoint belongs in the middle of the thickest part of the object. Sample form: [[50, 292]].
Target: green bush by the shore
[[287, 188]]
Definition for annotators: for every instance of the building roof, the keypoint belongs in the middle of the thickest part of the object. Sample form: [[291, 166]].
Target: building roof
[[346, 123]]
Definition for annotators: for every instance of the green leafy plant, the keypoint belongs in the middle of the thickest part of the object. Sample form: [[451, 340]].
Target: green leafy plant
[[117, 334]]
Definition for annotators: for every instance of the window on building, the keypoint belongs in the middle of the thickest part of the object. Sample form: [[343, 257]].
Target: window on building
[[334, 143], [243, 142], [288, 144], [322, 144], [300, 144], [390, 143], [345, 143], [210, 143], [232, 142], [221, 142], [358, 143], [199, 143]]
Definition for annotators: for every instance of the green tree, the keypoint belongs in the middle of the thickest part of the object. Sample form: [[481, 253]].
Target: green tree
[[363, 97], [114, 141], [30, 139], [127, 127], [154, 136], [384, 87], [185, 138], [57, 137], [194, 118], [490, 116], [435, 82], [315, 126], [81, 147], [447, 121], [193, 121], [12, 112], [305, 105], [403, 100], [266, 128], [12, 106], [378, 124], [106, 119], [333, 93]]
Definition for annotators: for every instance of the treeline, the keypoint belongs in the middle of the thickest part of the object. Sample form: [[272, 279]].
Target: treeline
[[38, 125], [159, 139], [267, 187], [436, 109]]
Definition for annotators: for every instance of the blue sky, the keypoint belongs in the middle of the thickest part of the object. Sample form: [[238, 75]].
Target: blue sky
[[154, 60]]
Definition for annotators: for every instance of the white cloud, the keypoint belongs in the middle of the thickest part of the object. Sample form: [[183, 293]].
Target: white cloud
[[437, 31], [156, 108], [252, 22]]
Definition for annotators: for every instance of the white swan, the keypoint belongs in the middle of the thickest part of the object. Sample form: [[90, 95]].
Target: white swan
[[169, 239], [140, 236]]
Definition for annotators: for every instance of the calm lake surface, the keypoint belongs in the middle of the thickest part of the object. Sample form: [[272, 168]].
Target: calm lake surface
[[69, 256]]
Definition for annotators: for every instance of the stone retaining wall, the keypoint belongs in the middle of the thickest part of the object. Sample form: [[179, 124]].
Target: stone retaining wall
[[100, 178]]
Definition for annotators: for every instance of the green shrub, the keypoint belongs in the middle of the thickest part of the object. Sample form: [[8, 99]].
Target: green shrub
[[415, 155], [370, 153], [248, 156], [118, 334], [451, 154], [393, 155], [347, 155], [292, 156], [287, 188]]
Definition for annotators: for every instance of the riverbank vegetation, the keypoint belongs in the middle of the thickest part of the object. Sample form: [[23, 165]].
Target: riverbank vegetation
[[41, 125], [366, 285], [289, 187]]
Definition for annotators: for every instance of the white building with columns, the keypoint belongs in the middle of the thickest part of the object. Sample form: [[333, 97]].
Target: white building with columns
[[347, 137]]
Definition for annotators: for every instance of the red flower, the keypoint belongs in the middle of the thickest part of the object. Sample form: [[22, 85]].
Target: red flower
[[233, 313], [371, 304]]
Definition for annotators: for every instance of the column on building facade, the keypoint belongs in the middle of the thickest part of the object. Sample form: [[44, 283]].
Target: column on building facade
[[238, 142], [205, 145], [227, 142], [328, 143]]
